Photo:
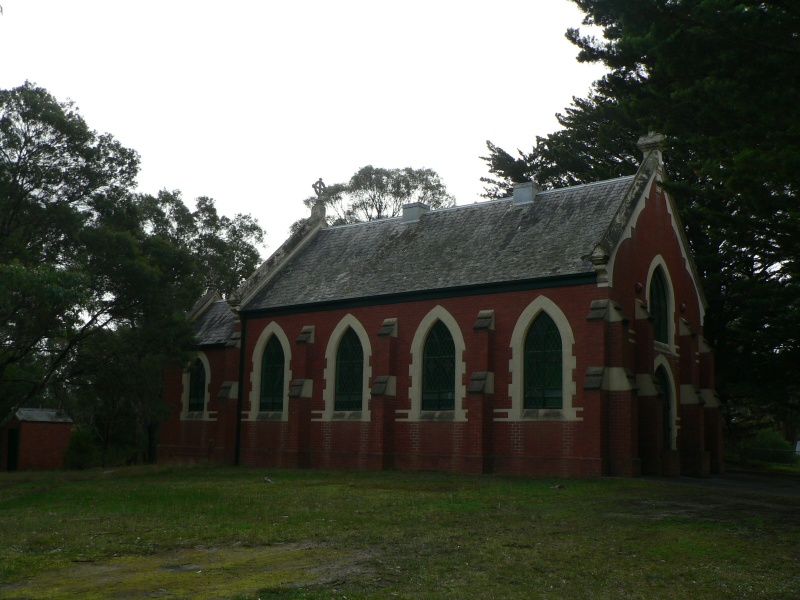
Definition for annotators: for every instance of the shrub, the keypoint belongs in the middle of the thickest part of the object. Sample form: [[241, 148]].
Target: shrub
[[81, 452], [768, 445]]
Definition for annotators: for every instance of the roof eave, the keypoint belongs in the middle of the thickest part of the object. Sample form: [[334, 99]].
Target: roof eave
[[549, 281]]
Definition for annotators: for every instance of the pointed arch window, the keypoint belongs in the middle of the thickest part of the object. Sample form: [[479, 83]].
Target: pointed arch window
[[659, 307], [543, 368], [197, 387], [272, 384], [349, 372], [439, 369]]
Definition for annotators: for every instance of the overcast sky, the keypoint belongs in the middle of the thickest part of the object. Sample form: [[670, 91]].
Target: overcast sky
[[251, 102]]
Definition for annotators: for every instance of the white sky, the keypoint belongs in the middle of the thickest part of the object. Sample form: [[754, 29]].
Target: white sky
[[251, 102]]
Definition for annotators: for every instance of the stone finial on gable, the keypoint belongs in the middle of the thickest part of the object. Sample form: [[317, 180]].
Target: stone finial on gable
[[318, 210], [652, 142]]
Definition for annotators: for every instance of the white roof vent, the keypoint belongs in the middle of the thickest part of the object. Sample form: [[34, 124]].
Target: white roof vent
[[525, 192], [412, 212]]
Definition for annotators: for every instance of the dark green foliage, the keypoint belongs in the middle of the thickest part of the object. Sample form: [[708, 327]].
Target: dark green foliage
[[95, 280], [225, 250], [767, 445], [82, 452], [63, 215], [720, 78]]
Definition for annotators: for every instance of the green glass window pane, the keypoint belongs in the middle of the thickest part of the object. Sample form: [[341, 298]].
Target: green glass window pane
[[349, 373], [659, 307], [439, 370], [272, 366], [197, 386], [543, 367]]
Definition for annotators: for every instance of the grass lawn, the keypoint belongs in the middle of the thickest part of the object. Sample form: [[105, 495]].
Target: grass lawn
[[223, 532]]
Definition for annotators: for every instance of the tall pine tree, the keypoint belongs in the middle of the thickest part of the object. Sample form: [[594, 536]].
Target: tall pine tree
[[720, 78]]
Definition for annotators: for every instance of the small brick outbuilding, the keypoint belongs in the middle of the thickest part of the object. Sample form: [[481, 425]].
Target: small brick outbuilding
[[555, 332], [35, 439]]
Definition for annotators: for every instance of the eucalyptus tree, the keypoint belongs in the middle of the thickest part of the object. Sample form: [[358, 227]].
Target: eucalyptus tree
[[378, 193]]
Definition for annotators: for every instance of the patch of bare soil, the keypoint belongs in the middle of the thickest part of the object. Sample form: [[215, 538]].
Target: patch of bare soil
[[196, 573], [724, 500]]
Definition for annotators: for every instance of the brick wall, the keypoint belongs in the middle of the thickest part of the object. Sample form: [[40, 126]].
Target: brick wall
[[613, 430], [40, 445]]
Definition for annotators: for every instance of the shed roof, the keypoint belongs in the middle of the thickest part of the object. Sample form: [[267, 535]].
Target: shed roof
[[43, 415], [215, 325], [484, 243]]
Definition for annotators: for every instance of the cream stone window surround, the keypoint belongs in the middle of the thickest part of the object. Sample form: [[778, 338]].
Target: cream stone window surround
[[329, 374], [205, 414], [415, 413], [658, 261], [661, 361], [255, 374], [516, 367]]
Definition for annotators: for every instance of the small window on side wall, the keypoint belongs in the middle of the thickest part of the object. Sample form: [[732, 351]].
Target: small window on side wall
[[543, 368], [439, 369], [659, 307], [197, 387], [272, 366], [349, 372]]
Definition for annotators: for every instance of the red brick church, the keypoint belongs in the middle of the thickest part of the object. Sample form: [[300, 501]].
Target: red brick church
[[554, 332]]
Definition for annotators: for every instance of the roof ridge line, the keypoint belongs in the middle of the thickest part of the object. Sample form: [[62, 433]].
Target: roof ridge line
[[583, 185], [436, 210]]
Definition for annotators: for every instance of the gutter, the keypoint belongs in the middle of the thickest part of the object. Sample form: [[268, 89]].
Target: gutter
[[572, 279]]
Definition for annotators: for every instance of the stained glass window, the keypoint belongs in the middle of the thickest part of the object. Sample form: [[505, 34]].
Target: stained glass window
[[272, 364], [659, 307], [197, 387], [439, 370], [543, 368], [349, 372]]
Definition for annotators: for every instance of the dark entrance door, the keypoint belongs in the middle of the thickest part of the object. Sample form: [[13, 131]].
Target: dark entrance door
[[665, 393], [13, 449]]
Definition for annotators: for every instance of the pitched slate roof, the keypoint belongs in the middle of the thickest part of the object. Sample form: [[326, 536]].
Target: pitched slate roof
[[479, 244], [43, 415], [215, 325]]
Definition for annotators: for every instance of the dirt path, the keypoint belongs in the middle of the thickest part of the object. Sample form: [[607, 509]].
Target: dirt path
[[747, 482], [194, 573]]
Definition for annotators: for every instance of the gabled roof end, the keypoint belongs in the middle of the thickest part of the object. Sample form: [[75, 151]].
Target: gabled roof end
[[269, 267], [202, 304]]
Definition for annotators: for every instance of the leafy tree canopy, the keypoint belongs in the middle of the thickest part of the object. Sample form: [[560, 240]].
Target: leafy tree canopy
[[377, 193], [225, 249], [82, 257]]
